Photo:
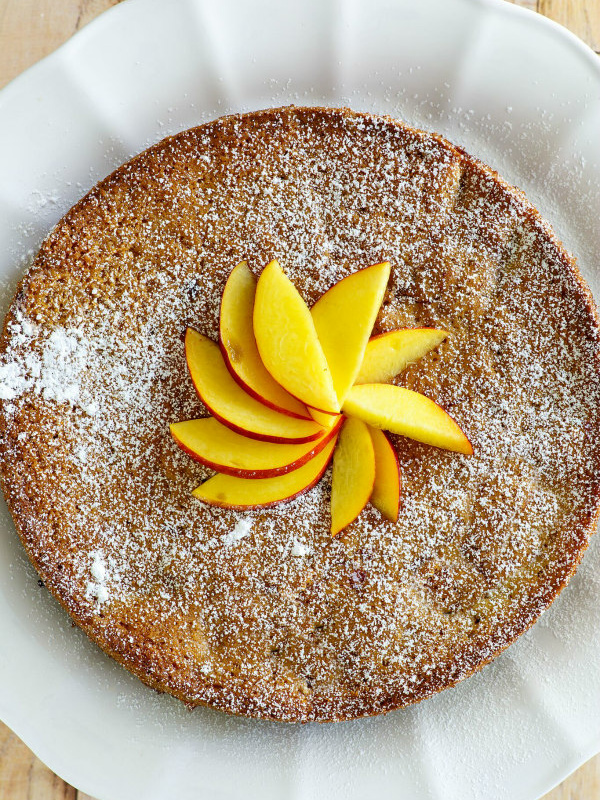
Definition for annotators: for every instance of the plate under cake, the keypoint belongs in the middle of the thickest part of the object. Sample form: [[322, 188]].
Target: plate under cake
[[261, 612]]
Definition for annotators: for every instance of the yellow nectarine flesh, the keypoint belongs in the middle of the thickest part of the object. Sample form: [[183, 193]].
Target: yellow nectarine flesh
[[386, 489], [287, 341], [212, 444], [408, 413], [344, 317], [353, 474], [388, 354], [326, 420], [239, 348], [230, 404], [232, 492]]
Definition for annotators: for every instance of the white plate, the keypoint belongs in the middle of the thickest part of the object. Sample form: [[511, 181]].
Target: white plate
[[509, 86]]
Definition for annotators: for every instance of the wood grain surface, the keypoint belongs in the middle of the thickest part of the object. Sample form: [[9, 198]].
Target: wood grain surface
[[29, 30]]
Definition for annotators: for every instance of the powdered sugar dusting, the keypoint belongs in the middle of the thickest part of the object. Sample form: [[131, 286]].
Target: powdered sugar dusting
[[97, 587], [241, 529], [53, 373], [299, 549]]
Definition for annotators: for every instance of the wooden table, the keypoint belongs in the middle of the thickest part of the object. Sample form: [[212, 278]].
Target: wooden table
[[29, 30]]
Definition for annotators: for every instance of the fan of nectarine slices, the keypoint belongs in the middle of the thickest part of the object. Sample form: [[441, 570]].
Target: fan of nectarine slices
[[289, 388]]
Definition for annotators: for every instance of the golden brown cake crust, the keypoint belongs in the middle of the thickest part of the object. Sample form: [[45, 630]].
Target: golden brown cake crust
[[262, 613]]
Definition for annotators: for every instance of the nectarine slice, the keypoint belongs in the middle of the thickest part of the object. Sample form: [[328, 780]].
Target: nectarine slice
[[231, 492], [386, 489], [388, 354], [239, 349], [223, 450], [344, 317], [229, 403], [324, 419], [288, 343], [398, 410], [353, 474]]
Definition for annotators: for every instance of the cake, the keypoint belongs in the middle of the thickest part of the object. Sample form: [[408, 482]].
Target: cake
[[262, 612]]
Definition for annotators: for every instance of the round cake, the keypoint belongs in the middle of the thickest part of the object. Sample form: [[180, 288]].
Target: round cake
[[262, 612]]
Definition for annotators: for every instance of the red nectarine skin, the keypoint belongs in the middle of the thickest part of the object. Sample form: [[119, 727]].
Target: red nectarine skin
[[259, 473], [249, 390], [211, 358], [238, 345], [323, 457], [263, 437]]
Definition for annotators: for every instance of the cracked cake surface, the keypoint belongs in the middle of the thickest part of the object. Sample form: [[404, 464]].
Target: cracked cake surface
[[261, 612]]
